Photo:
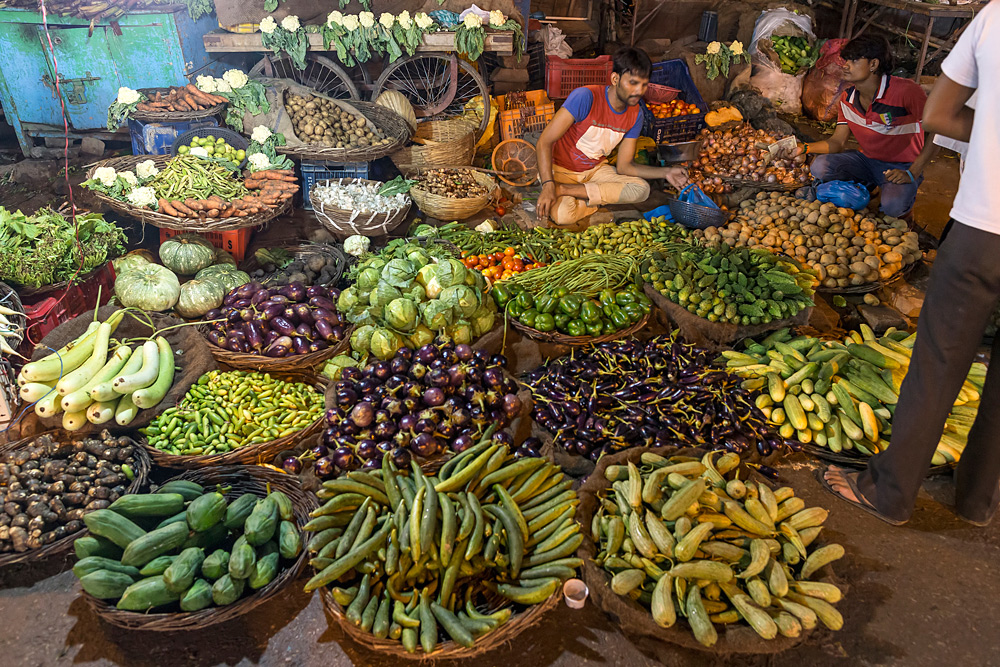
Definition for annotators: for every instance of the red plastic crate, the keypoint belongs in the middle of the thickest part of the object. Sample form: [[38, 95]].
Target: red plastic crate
[[564, 75], [69, 302], [234, 242]]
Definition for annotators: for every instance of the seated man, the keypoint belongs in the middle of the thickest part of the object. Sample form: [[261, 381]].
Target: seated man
[[573, 149]]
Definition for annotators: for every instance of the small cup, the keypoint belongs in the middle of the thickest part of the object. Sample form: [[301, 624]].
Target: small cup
[[575, 593]]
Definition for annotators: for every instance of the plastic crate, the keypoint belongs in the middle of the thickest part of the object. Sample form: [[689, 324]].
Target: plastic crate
[[235, 242], [312, 172], [658, 94], [675, 73], [564, 75], [158, 138], [532, 116], [58, 307]]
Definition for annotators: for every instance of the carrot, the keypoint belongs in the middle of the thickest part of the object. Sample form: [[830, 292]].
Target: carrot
[[182, 208], [166, 208], [275, 175], [213, 213], [226, 213], [217, 199], [194, 204], [181, 105], [253, 185], [198, 94]]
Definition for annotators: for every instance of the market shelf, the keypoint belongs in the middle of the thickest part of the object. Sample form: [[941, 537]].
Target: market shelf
[[220, 41]]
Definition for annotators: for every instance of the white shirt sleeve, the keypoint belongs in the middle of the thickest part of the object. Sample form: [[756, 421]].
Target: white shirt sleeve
[[960, 66]]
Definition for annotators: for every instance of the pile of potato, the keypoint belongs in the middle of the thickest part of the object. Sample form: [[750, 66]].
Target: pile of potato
[[844, 247], [322, 122]]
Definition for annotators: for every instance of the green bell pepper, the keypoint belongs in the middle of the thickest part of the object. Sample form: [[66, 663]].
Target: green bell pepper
[[618, 318], [608, 328], [634, 312], [643, 300], [546, 303], [501, 294], [624, 297], [590, 312], [528, 318], [576, 328], [525, 300], [607, 297], [514, 310], [571, 304], [545, 322], [595, 328], [560, 292], [561, 319]]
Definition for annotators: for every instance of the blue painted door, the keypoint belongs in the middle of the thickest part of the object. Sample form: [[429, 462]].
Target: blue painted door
[[88, 77]]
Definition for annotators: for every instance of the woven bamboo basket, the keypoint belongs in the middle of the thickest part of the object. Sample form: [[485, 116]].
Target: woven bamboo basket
[[172, 116], [389, 123], [438, 143], [258, 481], [64, 545], [761, 186], [263, 452], [343, 222], [162, 220], [302, 251], [299, 363], [449, 208], [578, 341], [448, 650]]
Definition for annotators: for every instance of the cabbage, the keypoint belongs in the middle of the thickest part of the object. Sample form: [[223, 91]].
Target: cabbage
[[401, 314], [463, 299], [368, 279], [436, 314], [460, 332], [426, 274], [361, 338], [383, 294], [454, 276], [376, 263], [418, 258], [421, 336], [399, 273], [361, 315], [417, 293], [334, 367], [348, 299], [424, 230], [385, 342], [482, 320]]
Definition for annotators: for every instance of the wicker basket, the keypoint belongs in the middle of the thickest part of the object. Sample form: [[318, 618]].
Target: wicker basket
[[448, 650], [439, 143], [759, 186], [157, 219], [334, 252], [449, 208], [263, 452], [343, 222], [299, 363], [578, 341], [64, 545], [390, 123], [258, 481], [172, 116]]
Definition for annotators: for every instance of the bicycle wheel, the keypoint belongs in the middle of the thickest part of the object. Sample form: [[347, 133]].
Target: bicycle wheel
[[436, 85], [321, 74]]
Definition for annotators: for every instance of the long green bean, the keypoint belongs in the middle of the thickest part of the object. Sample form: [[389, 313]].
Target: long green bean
[[586, 276], [189, 176]]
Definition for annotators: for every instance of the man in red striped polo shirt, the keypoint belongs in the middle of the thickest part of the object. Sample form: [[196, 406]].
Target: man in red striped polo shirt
[[883, 113]]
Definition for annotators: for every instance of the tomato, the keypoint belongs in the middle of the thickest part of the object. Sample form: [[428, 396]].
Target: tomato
[[509, 251], [500, 210]]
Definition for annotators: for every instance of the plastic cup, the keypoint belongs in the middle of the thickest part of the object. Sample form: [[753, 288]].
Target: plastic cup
[[575, 593]]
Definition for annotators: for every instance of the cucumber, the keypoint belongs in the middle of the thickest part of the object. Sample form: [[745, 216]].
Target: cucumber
[[181, 573], [113, 526], [150, 396], [227, 590], [190, 490], [197, 597], [154, 544], [85, 566], [206, 511], [105, 584], [147, 594], [148, 504], [216, 565], [239, 510]]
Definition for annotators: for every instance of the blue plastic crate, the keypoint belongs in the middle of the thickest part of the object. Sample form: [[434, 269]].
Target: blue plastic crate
[[158, 138], [321, 171], [675, 73]]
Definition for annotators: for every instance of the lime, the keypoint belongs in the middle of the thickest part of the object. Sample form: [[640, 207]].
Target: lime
[[241, 155], [220, 140], [183, 150], [210, 150]]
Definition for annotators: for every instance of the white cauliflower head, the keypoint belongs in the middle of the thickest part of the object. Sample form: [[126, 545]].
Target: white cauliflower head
[[357, 245], [366, 19], [127, 96], [387, 20], [129, 177], [221, 86], [473, 21], [290, 23], [260, 134], [713, 48], [404, 20], [335, 18], [146, 169], [206, 84], [235, 78], [351, 22], [423, 21], [268, 25], [737, 48], [144, 197], [259, 161], [497, 18], [106, 176]]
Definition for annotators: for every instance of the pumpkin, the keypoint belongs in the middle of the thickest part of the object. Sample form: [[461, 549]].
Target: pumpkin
[[187, 254], [223, 257], [128, 262], [214, 270], [150, 287], [396, 101], [197, 297], [231, 279]]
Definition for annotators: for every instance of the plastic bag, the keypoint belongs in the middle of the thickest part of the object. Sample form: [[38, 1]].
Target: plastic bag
[[555, 42], [780, 22], [824, 83], [692, 194], [844, 194], [784, 90]]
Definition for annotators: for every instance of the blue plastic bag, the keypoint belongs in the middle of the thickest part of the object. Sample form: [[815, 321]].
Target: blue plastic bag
[[844, 194], [692, 194], [659, 212]]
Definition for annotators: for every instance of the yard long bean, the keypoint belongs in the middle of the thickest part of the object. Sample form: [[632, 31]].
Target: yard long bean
[[586, 276]]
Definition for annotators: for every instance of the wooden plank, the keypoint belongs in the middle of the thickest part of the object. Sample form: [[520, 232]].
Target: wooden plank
[[925, 9], [220, 41]]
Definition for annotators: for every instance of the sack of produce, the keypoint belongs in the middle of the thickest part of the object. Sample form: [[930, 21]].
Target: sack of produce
[[824, 82], [782, 50]]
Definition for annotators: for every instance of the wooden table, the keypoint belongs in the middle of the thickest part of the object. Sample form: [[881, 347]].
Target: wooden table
[[931, 11], [220, 41]]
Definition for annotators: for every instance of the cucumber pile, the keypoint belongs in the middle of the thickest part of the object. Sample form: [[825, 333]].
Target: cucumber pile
[[414, 557], [686, 537], [186, 547], [842, 396], [88, 380]]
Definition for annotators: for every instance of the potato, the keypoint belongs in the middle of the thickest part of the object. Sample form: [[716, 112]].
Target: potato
[[860, 268]]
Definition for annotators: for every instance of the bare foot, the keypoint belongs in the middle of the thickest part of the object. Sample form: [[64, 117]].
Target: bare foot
[[836, 477]]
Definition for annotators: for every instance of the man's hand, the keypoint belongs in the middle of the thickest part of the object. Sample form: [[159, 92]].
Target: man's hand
[[898, 176], [676, 176], [545, 200]]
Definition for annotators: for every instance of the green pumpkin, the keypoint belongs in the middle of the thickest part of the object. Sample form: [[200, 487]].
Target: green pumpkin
[[126, 263], [149, 286], [197, 297], [214, 270], [223, 257], [230, 280], [187, 254]]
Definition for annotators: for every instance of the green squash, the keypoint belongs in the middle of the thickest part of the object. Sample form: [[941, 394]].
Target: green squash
[[197, 297], [187, 254], [214, 270], [230, 280], [128, 262], [223, 257], [150, 287]]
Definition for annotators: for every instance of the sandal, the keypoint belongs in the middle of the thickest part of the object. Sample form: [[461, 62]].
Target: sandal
[[851, 479]]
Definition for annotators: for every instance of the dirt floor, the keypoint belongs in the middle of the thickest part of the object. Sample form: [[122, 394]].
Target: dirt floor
[[917, 595]]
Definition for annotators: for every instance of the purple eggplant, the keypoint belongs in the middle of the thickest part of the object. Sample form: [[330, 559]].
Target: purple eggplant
[[363, 414], [255, 335], [325, 467], [303, 313], [351, 374], [317, 345], [295, 291], [217, 338], [291, 465], [259, 297], [345, 459], [281, 347], [283, 326], [320, 302], [305, 331], [300, 345], [434, 396], [317, 290]]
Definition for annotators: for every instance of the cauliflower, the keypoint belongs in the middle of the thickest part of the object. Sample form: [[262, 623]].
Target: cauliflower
[[206, 84], [142, 197], [127, 96], [736, 48], [259, 161], [222, 87], [335, 18], [713, 48], [485, 227], [497, 18], [366, 19], [387, 20], [146, 169], [351, 22], [260, 134], [198, 151], [268, 25], [129, 177], [423, 21], [404, 20], [235, 78], [106, 175], [357, 245], [473, 21], [290, 23]]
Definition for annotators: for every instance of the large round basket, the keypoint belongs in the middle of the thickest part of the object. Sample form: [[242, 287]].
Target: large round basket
[[299, 363], [263, 452], [448, 650], [343, 222], [172, 116], [390, 123], [449, 208], [240, 479], [157, 219], [64, 545], [438, 143], [761, 186], [328, 251], [578, 341]]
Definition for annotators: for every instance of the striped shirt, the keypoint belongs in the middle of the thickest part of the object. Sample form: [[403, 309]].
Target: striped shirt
[[890, 130]]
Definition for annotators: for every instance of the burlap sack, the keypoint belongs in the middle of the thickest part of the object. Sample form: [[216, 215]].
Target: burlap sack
[[634, 619], [192, 359]]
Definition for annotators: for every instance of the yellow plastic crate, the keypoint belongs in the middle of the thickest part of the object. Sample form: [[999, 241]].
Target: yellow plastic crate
[[242, 28]]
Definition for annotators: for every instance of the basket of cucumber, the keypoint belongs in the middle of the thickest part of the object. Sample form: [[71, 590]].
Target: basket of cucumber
[[207, 547]]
